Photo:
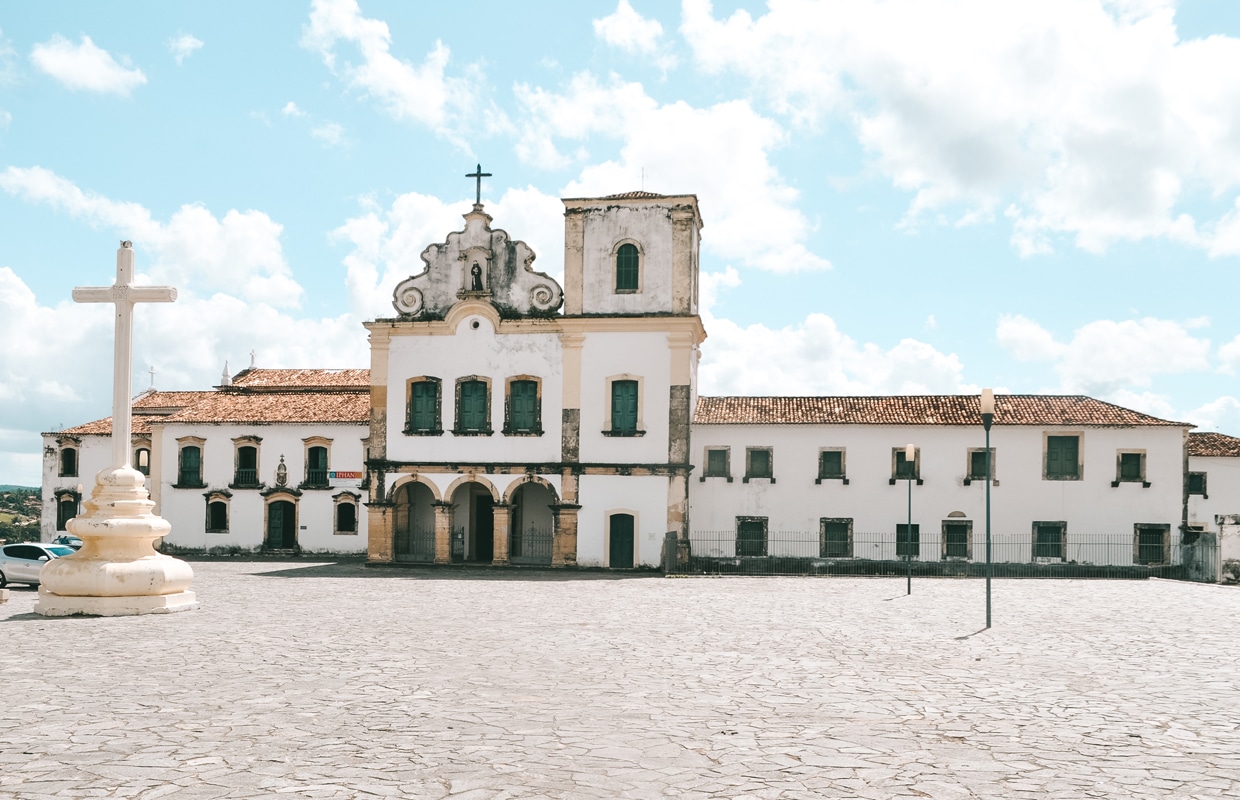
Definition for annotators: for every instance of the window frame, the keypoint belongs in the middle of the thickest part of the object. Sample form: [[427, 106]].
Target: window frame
[[765, 537], [218, 498], [510, 429], [66, 446], [1119, 468], [843, 473], [1165, 548], [727, 463], [240, 443], [436, 428], [970, 476], [968, 542], [897, 453], [770, 464], [1080, 455], [1061, 544], [139, 447], [309, 444], [610, 399], [346, 499], [184, 443], [1188, 484], [485, 429], [638, 267], [822, 536]]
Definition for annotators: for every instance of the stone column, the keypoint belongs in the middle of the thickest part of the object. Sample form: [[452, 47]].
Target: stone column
[[380, 534], [502, 522], [564, 537], [443, 533]]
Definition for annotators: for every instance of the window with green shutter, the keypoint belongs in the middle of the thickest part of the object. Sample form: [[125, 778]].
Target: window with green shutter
[[523, 411], [717, 463], [751, 536], [471, 412], [624, 406], [424, 407], [836, 538], [1062, 457], [831, 464], [906, 546], [626, 268], [1197, 483], [190, 473], [977, 464], [1130, 467], [758, 463]]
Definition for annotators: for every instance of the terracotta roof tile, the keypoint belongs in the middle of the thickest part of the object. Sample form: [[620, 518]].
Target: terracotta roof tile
[[1213, 444], [632, 196], [276, 407], [150, 405], [1020, 409], [276, 379]]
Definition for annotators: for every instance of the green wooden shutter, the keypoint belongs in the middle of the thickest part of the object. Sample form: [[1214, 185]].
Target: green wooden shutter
[[1062, 453], [424, 406], [626, 268], [523, 406], [717, 463], [191, 466], [830, 464], [473, 411], [624, 406]]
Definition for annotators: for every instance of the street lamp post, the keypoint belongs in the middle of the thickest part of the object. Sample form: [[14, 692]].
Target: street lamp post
[[988, 416], [910, 453]]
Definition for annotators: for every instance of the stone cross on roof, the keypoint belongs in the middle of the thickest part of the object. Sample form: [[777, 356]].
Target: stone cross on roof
[[479, 175], [123, 295]]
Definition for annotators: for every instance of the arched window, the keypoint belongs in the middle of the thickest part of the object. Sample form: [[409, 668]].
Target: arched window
[[627, 268], [66, 509], [424, 407], [142, 460], [247, 466], [217, 516], [523, 407], [473, 407], [68, 462], [190, 470], [316, 466], [346, 517]]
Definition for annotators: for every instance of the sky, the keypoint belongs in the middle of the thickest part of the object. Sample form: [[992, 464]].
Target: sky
[[899, 196]]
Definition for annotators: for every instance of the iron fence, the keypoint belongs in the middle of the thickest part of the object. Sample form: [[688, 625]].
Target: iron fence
[[950, 553], [531, 546], [416, 543]]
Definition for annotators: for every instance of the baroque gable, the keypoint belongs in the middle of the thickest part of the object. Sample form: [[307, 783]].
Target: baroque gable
[[478, 263]]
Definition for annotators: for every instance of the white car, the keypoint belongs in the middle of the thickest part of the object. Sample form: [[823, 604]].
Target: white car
[[20, 563]]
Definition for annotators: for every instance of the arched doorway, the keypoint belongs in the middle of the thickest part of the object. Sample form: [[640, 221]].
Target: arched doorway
[[473, 523], [281, 525], [620, 541], [532, 525], [414, 523]]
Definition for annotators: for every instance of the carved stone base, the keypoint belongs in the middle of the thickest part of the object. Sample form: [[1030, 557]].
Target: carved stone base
[[117, 572], [54, 605]]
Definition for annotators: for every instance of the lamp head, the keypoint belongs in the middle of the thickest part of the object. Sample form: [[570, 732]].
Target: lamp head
[[910, 453], [988, 401]]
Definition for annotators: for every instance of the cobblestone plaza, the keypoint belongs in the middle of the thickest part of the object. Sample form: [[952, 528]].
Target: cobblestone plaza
[[297, 679]]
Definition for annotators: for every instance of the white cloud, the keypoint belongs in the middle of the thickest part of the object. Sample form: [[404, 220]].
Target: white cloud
[[5, 119], [1229, 356], [1082, 119], [8, 61], [1221, 414], [751, 212], [85, 66], [1106, 358], [424, 94], [239, 252], [813, 357], [388, 243], [291, 110], [183, 46], [627, 30], [329, 133]]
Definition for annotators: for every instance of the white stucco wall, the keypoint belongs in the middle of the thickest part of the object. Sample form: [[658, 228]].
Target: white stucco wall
[[644, 356], [186, 509], [94, 455], [647, 226], [1222, 491], [483, 352], [643, 496], [794, 503]]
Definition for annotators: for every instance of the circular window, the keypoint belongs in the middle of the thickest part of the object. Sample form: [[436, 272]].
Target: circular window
[[475, 324]]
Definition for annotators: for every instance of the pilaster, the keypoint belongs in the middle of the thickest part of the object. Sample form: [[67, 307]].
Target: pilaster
[[564, 537], [574, 254], [443, 532], [380, 536], [502, 523]]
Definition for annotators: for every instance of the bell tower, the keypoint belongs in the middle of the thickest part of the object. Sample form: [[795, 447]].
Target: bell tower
[[631, 254]]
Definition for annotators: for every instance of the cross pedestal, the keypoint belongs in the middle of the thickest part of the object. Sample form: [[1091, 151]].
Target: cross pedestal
[[117, 572]]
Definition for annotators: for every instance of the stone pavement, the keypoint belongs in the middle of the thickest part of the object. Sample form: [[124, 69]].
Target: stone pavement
[[337, 681]]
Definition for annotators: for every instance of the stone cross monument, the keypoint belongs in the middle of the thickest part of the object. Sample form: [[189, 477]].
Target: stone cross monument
[[117, 572]]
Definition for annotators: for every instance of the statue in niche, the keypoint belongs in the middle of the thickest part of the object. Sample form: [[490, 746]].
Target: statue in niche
[[475, 283]]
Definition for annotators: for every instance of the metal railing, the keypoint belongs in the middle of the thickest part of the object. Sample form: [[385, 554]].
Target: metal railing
[[531, 546], [935, 554], [416, 544], [316, 477], [245, 477]]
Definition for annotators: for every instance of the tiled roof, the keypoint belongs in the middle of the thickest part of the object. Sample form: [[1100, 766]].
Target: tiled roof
[[147, 406], [632, 196], [276, 407], [276, 379], [1213, 444], [1018, 409]]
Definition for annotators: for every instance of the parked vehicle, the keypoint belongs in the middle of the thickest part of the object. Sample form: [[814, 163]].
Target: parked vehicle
[[68, 540], [20, 563]]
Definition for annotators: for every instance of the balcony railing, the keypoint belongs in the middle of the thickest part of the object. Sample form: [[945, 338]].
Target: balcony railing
[[246, 477], [316, 477]]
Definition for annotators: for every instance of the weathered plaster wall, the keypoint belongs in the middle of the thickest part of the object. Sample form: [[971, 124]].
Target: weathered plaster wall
[[1222, 491]]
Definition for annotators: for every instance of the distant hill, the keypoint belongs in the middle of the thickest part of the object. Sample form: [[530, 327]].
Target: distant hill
[[4, 487], [19, 513]]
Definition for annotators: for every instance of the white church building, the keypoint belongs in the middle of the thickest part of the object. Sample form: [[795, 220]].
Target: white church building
[[505, 419]]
